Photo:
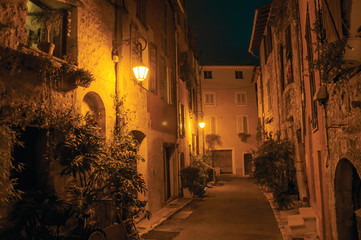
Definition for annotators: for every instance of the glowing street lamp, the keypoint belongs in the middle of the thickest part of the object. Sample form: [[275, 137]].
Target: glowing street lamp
[[202, 125], [140, 72]]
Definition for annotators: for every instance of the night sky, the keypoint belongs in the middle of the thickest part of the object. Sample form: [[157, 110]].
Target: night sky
[[223, 30]]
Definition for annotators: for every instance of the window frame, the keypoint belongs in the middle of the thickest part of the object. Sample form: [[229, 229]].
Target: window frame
[[60, 41], [213, 103], [241, 127], [245, 98], [141, 11], [207, 74], [211, 125], [239, 74]]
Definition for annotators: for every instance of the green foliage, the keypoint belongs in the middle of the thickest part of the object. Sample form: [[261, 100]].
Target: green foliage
[[244, 136], [213, 140], [193, 180], [17, 62], [48, 19], [329, 61], [273, 166], [98, 175], [38, 215]]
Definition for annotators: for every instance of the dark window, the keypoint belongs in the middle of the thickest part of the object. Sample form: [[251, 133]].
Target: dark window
[[289, 68], [181, 120], [269, 95], [163, 79], [239, 74], [142, 11], [268, 44], [207, 74], [282, 68], [152, 79], [165, 29], [38, 34]]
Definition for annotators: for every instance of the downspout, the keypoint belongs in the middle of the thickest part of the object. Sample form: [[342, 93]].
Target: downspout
[[116, 63], [201, 114], [303, 188], [180, 193]]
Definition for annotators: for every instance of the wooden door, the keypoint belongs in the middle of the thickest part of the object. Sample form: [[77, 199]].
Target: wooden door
[[223, 160]]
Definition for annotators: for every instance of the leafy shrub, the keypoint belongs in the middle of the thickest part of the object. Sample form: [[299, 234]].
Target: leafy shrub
[[273, 166], [193, 180], [99, 175]]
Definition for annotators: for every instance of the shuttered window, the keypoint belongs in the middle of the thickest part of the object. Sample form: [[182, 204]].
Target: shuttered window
[[152, 78], [211, 125], [242, 124], [241, 98], [209, 99]]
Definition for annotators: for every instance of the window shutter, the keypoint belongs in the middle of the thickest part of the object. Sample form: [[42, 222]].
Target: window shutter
[[213, 125], [245, 124], [239, 124]]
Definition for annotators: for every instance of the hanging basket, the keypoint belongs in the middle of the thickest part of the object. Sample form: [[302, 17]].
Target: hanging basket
[[352, 56]]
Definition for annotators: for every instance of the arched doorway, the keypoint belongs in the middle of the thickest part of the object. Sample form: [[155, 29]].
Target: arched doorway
[[93, 103], [347, 194]]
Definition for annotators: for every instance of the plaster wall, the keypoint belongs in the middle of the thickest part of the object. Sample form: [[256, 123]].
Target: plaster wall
[[225, 87], [94, 45], [315, 154]]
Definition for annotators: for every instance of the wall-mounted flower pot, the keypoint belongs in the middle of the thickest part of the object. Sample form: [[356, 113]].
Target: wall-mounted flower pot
[[352, 56], [46, 47]]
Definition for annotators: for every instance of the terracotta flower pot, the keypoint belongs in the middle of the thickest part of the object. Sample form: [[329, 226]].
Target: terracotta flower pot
[[46, 47], [352, 56]]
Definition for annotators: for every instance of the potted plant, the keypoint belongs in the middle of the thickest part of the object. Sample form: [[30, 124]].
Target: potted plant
[[244, 136], [49, 20]]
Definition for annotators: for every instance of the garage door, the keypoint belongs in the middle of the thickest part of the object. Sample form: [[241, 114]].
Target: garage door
[[223, 160]]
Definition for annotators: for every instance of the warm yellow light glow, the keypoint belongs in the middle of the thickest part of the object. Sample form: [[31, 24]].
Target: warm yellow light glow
[[202, 124], [140, 72]]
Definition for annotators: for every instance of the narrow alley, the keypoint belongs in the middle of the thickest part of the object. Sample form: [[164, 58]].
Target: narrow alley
[[232, 209]]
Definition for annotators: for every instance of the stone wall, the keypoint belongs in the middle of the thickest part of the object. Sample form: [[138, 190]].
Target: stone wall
[[344, 131], [13, 22]]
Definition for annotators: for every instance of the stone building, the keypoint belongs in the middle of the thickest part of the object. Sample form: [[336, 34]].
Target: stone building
[[308, 51], [107, 38], [230, 110]]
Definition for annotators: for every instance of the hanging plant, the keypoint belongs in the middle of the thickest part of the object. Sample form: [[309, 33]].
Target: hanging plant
[[330, 55], [66, 77], [244, 136], [73, 77]]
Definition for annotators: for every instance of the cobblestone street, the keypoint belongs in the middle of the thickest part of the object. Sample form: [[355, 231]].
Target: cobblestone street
[[232, 209]]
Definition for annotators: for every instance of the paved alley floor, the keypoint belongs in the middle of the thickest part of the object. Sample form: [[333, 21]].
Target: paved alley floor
[[234, 208]]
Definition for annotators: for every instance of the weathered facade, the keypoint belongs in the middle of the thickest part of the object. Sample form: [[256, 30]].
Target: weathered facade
[[230, 111], [314, 105], [103, 37]]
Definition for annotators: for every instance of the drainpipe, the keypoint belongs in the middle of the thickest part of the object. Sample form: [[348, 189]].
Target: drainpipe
[[300, 166], [116, 63]]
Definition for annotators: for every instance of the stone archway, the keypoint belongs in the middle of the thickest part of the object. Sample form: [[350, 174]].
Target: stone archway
[[92, 102], [347, 195]]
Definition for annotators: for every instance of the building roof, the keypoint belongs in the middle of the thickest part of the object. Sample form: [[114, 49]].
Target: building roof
[[259, 24]]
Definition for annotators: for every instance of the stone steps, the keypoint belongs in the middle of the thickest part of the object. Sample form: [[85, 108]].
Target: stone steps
[[303, 225]]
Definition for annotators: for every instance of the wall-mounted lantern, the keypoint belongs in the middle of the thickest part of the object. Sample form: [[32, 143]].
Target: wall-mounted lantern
[[140, 71], [202, 124], [321, 95]]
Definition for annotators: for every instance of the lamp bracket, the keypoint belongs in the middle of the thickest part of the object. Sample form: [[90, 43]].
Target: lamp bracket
[[127, 41]]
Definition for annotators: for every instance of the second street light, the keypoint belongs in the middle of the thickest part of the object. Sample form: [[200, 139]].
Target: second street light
[[202, 125]]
